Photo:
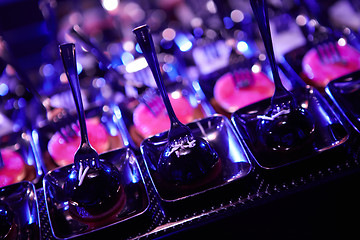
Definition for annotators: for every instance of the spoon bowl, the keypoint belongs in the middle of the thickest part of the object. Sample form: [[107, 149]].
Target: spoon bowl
[[286, 125], [186, 158]]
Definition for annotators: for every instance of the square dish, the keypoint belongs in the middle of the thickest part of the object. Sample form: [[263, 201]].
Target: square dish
[[234, 160], [22, 163], [136, 209], [344, 92], [21, 199], [329, 131]]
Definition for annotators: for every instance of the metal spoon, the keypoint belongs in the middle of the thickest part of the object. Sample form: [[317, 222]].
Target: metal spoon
[[286, 125], [186, 158], [93, 186]]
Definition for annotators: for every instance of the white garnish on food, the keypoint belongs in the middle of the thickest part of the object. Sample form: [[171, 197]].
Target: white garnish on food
[[273, 116], [80, 170], [82, 173], [182, 146]]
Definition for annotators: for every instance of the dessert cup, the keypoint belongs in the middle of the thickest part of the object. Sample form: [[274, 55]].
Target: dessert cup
[[344, 92], [132, 217], [21, 199], [234, 164], [30, 167], [329, 130]]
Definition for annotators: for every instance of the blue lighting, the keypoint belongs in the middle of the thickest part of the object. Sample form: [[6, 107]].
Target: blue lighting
[[127, 57], [166, 44], [79, 67], [107, 169], [73, 175], [228, 23], [4, 89], [137, 48], [48, 70], [198, 32], [242, 46], [170, 70], [21, 102], [183, 42]]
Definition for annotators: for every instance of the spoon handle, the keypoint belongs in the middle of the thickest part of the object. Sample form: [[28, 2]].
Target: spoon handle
[[260, 10], [67, 52], [77, 32], [143, 37]]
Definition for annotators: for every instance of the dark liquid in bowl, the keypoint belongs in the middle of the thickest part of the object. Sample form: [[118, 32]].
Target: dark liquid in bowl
[[268, 158], [174, 190], [98, 196]]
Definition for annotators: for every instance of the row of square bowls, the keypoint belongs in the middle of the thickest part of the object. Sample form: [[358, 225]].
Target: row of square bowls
[[148, 197]]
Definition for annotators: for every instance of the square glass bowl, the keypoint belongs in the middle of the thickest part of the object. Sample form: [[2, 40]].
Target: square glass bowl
[[134, 217], [345, 94], [329, 131], [21, 199], [217, 130], [22, 144]]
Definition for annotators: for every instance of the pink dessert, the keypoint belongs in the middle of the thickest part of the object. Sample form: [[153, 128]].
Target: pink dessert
[[63, 151], [320, 73], [231, 97], [149, 124], [14, 167]]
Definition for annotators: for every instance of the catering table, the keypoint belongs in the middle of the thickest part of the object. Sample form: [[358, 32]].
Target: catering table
[[312, 199]]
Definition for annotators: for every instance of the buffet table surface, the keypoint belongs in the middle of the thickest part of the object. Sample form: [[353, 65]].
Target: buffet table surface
[[312, 199]]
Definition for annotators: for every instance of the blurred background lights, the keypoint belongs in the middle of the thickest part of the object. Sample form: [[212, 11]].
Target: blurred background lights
[[262, 57], [196, 22], [228, 23], [48, 70], [128, 46], [183, 42], [211, 34], [136, 65], [301, 20], [256, 68], [4, 89], [242, 46], [99, 82], [237, 15], [198, 32], [169, 34], [79, 67], [63, 78], [342, 42], [211, 7], [109, 5], [176, 95], [167, 67], [126, 58], [137, 48]]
